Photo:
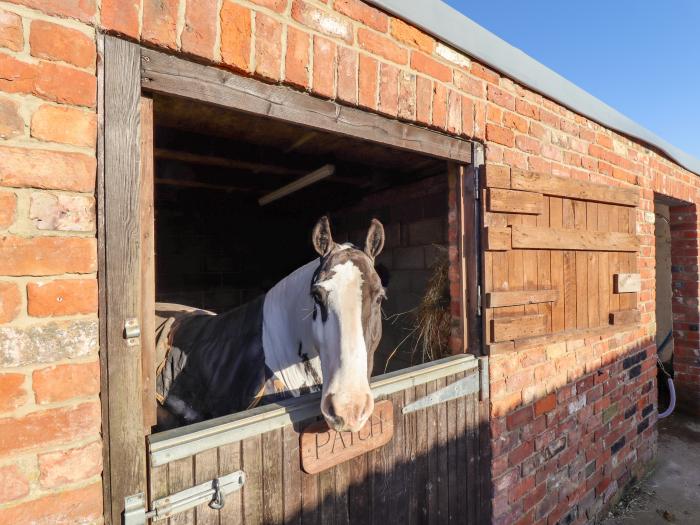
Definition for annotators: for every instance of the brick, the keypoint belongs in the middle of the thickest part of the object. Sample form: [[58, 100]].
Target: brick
[[368, 82], [11, 123], [64, 125], [35, 168], [407, 96], [159, 25], [388, 89], [121, 16], [268, 47], [500, 97], [451, 55], [347, 75], [439, 106], [82, 505], [519, 417], [500, 135], [235, 36], [424, 64], [546, 404], [8, 209], [63, 382], [83, 10], [55, 42], [12, 394], [468, 84], [47, 255], [454, 113], [62, 212], [467, 117], [69, 466], [13, 484], [47, 342], [525, 108], [330, 24], [66, 85], [424, 97], [412, 36], [515, 122], [199, 32], [17, 76], [48, 427], [275, 5], [484, 73], [382, 46], [11, 31], [296, 69], [364, 13], [10, 302], [527, 144], [325, 54], [62, 297]]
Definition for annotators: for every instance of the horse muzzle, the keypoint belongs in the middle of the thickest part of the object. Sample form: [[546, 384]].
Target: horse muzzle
[[347, 413]]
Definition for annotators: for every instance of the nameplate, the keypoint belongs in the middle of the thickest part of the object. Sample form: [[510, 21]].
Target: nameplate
[[323, 448]]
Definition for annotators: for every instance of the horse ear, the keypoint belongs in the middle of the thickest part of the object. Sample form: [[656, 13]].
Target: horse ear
[[375, 239], [321, 236]]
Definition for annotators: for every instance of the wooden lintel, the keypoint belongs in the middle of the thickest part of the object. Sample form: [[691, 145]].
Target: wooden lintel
[[514, 298], [209, 160]]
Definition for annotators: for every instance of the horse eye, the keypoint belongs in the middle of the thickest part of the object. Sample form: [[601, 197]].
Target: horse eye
[[317, 295]]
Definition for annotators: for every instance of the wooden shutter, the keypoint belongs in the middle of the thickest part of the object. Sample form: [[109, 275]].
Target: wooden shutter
[[560, 258]]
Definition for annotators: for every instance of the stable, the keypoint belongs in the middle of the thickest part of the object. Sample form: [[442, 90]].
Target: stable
[[538, 248]]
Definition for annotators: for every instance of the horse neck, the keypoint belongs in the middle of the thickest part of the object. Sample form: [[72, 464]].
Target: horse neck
[[287, 324]]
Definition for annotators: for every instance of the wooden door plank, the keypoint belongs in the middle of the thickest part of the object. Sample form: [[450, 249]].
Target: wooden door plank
[[569, 257], [557, 266], [291, 476], [614, 257], [511, 201], [593, 267], [181, 477], [572, 188], [397, 449], [252, 461], [497, 176], [272, 476], [431, 430], [326, 485], [547, 238], [544, 268], [497, 239], [359, 507], [530, 273], [510, 328], [163, 73], [581, 267], [206, 468], [496, 299], [120, 273], [443, 465], [148, 279], [603, 269], [230, 460]]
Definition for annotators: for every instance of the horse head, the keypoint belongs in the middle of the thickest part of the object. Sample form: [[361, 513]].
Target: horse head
[[347, 324]]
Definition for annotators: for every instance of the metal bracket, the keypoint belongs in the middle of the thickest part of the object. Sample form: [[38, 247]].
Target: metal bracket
[[132, 331], [461, 387], [211, 492]]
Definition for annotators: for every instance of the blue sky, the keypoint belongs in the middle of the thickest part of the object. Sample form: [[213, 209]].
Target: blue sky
[[640, 57]]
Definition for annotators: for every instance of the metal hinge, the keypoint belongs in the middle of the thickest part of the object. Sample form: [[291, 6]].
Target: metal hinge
[[478, 299], [476, 182], [461, 387], [211, 492]]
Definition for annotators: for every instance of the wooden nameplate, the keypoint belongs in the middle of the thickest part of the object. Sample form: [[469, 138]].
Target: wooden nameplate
[[323, 448]]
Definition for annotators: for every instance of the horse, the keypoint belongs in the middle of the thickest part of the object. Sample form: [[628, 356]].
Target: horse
[[316, 329]]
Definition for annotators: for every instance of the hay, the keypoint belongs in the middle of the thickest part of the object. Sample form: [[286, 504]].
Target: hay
[[430, 321]]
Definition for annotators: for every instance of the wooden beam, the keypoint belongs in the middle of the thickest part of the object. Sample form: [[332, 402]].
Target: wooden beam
[[510, 328], [496, 239], [527, 237], [208, 160], [121, 276], [573, 188], [515, 298], [302, 182], [186, 183], [627, 282], [624, 317], [510, 201], [496, 176], [163, 73]]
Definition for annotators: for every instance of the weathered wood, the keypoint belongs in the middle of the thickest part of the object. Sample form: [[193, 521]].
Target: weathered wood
[[291, 476], [252, 462], [181, 477], [569, 335], [272, 476], [121, 273], [502, 347], [496, 176], [164, 73], [223, 162], [497, 239], [148, 279], [625, 317], [549, 238], [510, 328], [494, 299], [573, 188], [230, 460], [511, 201], [206, 468], [627, 282]]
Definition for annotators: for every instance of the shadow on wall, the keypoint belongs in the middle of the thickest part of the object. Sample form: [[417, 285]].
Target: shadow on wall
[[587, 430]]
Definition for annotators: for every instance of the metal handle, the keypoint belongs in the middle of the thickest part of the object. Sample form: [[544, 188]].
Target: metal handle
[[217, 502]]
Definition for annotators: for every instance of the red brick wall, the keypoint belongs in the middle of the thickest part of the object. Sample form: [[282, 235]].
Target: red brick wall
[[342, 49]]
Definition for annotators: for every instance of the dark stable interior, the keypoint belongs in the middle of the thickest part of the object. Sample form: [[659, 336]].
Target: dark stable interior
[[217, 248]]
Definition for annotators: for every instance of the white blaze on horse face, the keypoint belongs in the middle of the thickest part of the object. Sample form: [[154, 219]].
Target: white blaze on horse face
[[346, 401]]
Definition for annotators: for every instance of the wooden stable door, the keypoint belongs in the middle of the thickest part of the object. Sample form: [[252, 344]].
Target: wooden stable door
[[555, 250]]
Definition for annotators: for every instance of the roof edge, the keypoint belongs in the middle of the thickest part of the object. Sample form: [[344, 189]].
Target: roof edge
[[452, 27]]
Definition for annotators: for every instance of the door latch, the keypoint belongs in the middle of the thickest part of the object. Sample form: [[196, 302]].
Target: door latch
[[132, 331]]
